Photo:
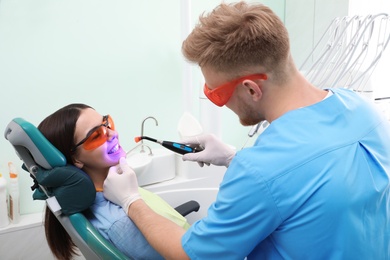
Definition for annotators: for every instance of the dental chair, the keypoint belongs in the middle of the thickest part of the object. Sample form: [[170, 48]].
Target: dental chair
[[67, 195]]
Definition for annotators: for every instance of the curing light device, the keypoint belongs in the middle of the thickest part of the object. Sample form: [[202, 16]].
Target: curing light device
[[173, 146]]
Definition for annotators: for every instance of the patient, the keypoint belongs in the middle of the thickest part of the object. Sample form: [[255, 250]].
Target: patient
[[89, 141]]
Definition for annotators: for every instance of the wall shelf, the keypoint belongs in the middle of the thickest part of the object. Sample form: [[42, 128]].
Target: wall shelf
[[26, 221]]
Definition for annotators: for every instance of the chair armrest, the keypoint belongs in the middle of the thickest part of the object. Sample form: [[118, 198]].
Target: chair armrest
[[188, 207]]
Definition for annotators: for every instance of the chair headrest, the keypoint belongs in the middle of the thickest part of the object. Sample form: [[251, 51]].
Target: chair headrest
[[24, 135], [71, 186]]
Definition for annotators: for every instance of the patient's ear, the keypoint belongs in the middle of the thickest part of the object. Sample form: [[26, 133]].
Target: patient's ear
[[77, 163]]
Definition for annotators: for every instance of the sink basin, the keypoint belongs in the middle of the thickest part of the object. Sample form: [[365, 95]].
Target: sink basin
[[140, 162], [158, 167]]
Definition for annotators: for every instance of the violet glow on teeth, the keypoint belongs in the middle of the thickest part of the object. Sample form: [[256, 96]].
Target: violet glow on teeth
[[114, 149]]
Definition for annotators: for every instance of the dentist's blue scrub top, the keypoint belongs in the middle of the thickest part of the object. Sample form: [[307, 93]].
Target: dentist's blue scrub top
[[315, 185]]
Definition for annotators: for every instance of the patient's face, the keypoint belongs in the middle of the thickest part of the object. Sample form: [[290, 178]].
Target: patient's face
[[104, 156]]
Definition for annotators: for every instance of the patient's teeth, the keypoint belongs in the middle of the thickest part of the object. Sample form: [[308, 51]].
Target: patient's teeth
[[114, 149]]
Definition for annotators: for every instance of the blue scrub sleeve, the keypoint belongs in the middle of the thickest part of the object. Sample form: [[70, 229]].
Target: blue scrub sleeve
[[237, 218]]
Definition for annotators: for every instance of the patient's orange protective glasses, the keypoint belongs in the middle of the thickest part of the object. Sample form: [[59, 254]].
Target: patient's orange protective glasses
[[97, 135], [221, 95]]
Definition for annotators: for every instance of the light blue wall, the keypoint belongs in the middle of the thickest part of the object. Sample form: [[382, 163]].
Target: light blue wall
[[121, 57], [307, 20]]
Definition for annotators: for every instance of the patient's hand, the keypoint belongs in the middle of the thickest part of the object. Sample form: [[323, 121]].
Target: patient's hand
[[121, 185]]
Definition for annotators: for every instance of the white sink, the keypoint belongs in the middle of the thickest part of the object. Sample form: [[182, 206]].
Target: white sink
[[140, 162], [155, 168]]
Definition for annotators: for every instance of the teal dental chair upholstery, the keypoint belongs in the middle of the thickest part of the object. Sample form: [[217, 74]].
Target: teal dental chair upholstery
[[67, 195]]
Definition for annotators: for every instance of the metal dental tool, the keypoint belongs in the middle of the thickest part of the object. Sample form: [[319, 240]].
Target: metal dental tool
[[254, 129]]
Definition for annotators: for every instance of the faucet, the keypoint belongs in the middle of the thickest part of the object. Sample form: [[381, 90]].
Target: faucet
[[142, 133], [142, 145]]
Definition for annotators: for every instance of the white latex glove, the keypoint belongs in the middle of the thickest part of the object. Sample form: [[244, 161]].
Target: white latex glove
[[121, 185], [215, 151]]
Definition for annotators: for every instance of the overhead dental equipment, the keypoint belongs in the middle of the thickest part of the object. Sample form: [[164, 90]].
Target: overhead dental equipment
[[348, 52], [173, 146]]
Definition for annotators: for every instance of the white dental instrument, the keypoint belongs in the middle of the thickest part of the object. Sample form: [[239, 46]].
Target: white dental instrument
[[255, 129]]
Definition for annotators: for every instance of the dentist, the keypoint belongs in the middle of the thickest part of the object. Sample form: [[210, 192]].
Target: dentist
[[316, 183]]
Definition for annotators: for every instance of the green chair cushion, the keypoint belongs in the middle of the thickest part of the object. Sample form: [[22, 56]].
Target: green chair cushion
[[73, 188]]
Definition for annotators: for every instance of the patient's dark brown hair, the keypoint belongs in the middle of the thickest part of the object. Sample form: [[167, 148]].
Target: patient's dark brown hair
[[59, 129]]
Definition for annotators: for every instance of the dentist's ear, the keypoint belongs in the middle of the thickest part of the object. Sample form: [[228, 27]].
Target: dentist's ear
[[253, 89]]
